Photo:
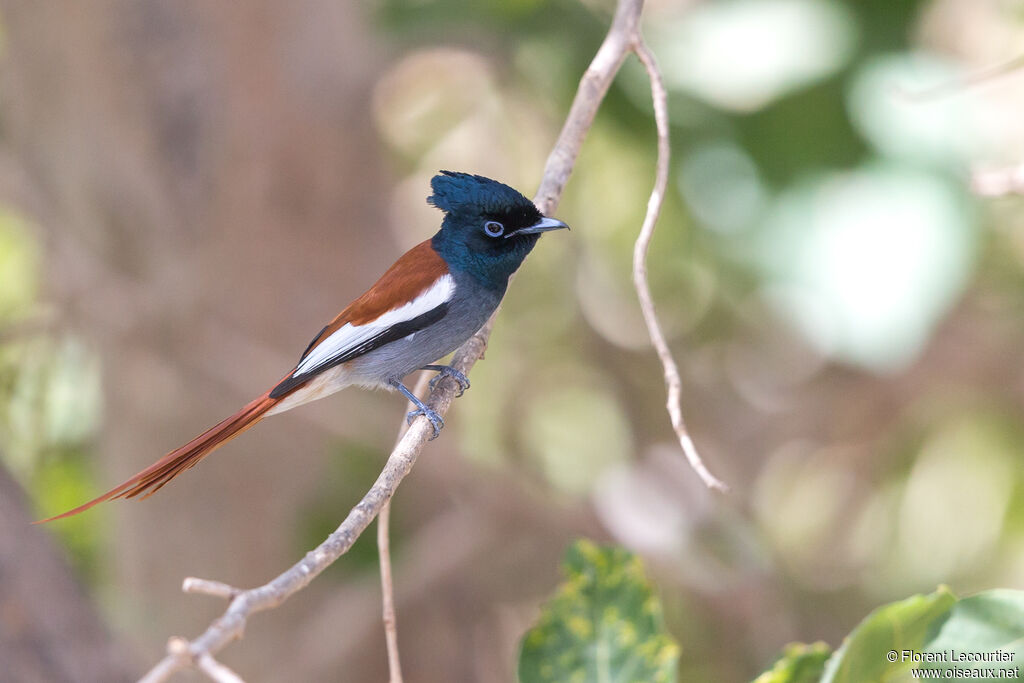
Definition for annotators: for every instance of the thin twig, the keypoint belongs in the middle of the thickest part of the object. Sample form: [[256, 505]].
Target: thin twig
[[388, 594], [206, 587], [622, 37], [643, 291], [387, 588], [217, 671], [593, 86]]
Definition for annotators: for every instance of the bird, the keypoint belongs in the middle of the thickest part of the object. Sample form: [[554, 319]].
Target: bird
[[431, 300]]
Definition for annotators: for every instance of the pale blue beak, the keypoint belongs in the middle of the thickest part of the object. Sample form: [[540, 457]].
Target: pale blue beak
[[543, 225]]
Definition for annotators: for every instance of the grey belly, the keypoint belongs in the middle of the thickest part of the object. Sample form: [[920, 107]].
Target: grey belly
[[466, 314]]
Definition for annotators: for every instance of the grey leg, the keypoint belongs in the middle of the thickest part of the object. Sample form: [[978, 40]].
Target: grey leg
[[448, 371], [421, 409]]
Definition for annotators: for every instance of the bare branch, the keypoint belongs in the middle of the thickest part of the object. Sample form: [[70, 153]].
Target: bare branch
[[388, 594], [623, 37], [643, 291], [387, 588], [214, 588], [177, 658], [217, 671], [593, 86]]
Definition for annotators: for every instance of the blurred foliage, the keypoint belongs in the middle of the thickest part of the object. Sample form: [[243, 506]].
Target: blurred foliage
[[603, 624], [983, 623], [799, 663], [903, 625], [890, 641], [49, 395]]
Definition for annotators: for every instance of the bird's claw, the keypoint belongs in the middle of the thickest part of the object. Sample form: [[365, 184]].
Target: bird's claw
[[436, 421], [448, 371]]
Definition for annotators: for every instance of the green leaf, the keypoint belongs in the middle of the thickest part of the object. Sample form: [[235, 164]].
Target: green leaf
[[903, 625], [604, 625], [988, 622], [800, 663]]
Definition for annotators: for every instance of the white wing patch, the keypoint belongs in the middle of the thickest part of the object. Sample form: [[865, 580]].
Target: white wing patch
[[349, 335]]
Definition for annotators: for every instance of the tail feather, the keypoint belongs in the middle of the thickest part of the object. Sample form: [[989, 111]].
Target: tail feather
[[153, 478]]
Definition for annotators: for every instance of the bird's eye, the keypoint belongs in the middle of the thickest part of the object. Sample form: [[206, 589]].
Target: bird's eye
[[494, 228]]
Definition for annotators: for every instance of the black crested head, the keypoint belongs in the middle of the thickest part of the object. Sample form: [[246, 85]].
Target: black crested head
[[488, 228], [474, 195]]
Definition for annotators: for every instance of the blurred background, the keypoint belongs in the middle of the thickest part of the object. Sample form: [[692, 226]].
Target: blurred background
[[189, 190]]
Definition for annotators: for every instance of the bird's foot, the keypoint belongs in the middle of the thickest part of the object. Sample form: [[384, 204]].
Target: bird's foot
[[448, 371], [436, 421]]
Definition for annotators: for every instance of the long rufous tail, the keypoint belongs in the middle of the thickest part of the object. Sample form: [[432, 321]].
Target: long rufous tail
[[150, 480]]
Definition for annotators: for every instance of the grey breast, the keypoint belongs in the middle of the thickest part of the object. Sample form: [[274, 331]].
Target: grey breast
[[469, 308]]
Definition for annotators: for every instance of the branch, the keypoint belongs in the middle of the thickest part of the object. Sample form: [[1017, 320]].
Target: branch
[[388, 594], [216, 671], [387, 589], [231, 625], [593, 86], [673, 384]]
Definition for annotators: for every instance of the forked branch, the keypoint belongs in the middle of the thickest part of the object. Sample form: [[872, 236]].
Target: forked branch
[[623, 37]]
